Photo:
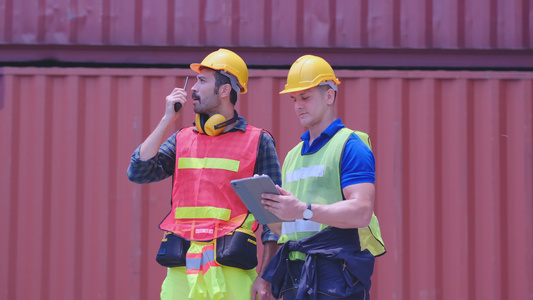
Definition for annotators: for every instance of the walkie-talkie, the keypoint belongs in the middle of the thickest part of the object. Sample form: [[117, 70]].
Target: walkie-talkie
[[178, 105]]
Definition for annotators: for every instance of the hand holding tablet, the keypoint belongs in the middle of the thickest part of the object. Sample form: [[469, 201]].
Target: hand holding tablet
[[250, 190]]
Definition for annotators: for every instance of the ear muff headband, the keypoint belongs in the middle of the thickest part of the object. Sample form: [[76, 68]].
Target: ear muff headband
[[199, 122], [213, 125]]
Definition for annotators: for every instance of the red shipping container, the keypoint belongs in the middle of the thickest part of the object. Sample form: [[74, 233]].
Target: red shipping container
[[454, 172]]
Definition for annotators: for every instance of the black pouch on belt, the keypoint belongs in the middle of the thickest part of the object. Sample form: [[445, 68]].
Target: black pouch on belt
[[172, 251], [237, 249]]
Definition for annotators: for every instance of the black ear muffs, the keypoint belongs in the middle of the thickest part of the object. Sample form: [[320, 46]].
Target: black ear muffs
[[213, 125]]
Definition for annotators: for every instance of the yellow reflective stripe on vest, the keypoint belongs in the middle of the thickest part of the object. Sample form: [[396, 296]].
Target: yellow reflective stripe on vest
[[203, 212], [208, 163]]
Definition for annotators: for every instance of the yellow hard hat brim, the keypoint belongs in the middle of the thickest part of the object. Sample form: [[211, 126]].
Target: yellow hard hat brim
[[287, 91], [196, 68]]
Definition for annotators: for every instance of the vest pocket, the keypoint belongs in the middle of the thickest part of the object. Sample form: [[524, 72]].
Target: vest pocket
[[172, 251], [237, 249]]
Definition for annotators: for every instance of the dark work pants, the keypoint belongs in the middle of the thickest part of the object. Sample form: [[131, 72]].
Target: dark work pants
[[295, 271]]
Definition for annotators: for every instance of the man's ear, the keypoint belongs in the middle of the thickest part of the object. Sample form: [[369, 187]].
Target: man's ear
[[224, 90], [330, 94]]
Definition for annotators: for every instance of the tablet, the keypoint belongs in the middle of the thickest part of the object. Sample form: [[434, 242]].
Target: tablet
[[250, 190]]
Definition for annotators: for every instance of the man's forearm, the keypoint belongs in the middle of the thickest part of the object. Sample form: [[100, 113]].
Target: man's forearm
[[269, 249], [150, 146]]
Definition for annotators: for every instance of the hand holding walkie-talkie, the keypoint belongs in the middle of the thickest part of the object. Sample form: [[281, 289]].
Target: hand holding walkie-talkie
[[178, 105]]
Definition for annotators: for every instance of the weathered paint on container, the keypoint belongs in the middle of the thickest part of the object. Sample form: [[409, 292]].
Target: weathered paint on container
[[454, 172], [377, 33], [408, 24]]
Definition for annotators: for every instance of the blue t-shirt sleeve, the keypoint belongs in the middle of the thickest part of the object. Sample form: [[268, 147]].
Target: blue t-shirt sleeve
[[358, 164]]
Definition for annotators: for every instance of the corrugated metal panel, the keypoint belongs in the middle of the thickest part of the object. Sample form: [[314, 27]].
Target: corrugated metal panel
[[454, 172], [412, 24]]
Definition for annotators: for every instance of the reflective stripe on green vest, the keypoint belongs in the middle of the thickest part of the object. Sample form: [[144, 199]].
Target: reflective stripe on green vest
[[316, 178]]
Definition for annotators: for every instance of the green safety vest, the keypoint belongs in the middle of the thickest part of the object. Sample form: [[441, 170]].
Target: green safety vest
[[316, 179]]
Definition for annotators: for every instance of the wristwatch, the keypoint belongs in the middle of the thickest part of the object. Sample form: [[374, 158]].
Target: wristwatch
[[308, 213]]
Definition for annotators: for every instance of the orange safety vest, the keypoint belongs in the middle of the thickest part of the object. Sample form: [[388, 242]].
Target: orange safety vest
[[204, 205]]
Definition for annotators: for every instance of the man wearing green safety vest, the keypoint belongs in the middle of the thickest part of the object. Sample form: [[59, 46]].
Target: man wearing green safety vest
[[330, 234]]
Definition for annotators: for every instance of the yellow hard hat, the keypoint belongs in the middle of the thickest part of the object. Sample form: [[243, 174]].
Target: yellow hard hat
[[228, 62], [309, 71]]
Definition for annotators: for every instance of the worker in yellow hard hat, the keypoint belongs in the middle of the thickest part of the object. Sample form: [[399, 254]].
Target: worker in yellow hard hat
[[330, 235], [209, 245]]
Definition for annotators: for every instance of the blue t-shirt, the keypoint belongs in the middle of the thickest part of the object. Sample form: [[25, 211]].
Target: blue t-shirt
[[357, 162]]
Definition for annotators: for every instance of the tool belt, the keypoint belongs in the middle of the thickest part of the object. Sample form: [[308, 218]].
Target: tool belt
[[172, 250], [237, 249]]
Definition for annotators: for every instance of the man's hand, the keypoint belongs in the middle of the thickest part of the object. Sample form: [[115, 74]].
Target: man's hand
[[177, 95], [353, 212], [150, 146], [285, 206], [261, 289]]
